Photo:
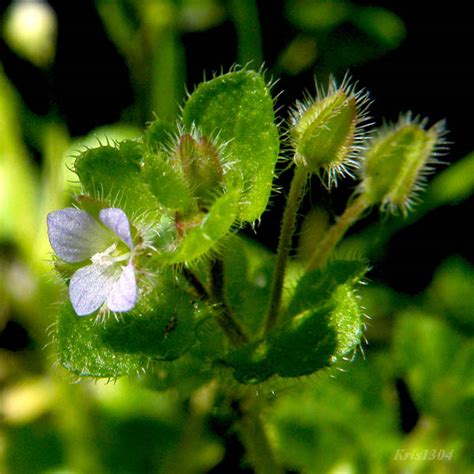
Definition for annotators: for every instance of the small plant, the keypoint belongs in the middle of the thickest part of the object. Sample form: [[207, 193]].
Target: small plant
[[161, 282]]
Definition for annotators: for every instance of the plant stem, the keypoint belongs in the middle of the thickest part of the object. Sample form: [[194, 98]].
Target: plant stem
[[247, 25], [284, 245], [182, 459], [222, 312], [351, 214], [167, 74], [232, 330], [255, 440]]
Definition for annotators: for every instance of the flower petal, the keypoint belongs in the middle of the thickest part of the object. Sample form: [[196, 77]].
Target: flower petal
[[116, 220], [91, 285], [75, 236], [124, 292]]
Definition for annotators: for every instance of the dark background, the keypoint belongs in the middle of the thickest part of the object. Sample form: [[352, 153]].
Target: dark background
[[430, 74]]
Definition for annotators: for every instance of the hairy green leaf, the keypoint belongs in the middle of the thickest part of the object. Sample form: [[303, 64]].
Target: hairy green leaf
[[316, 288], [238, 108], [160, 327], [325, 324], [247, 278], [114, 174], [212, 227]]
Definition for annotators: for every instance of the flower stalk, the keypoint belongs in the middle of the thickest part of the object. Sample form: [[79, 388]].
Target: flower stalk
[[335, 233], [284, 245]]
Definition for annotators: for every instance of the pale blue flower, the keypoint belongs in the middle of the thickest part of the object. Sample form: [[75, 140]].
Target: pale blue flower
[[76, 236]]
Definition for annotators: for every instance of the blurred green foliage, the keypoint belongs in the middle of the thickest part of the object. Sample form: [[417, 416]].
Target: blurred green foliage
[[336, 421]]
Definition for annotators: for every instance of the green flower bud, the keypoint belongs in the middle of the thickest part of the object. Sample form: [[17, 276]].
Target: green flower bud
[[328, 133], [200, 160], [397, 162]]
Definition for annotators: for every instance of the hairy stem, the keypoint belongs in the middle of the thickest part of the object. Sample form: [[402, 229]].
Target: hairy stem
[[351, 214], [284, 245], [255, 439], [222, 312], [225, 317]]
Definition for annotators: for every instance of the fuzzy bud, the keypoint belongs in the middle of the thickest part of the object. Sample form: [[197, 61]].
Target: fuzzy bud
[[327, 132], [201, 165], [397, 162]]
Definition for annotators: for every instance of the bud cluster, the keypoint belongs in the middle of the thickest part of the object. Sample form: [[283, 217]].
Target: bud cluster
[[332, 134]]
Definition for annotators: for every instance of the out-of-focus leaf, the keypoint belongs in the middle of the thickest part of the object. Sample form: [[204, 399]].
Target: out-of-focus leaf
[[314, 226], [34, 447], [299, 55], [452, 185], [238, 108], [18, 178], [198, 15], [134, 415], [355, 409], [119, 437], [424, 349], [317, 14], [452, 292], [438, 365], [381, 24], [54, 187], [346, 34]]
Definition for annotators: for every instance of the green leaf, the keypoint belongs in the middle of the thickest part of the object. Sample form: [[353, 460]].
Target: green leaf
[[247, 277], [160, 327], [317, 287], [158, 135], [311, 341], [324, 327], [213, 226], [166, 183], [196, 367], [114, 174], [238, 108]]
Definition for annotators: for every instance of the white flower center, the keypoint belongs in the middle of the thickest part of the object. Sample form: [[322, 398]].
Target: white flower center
[[105, 258]]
